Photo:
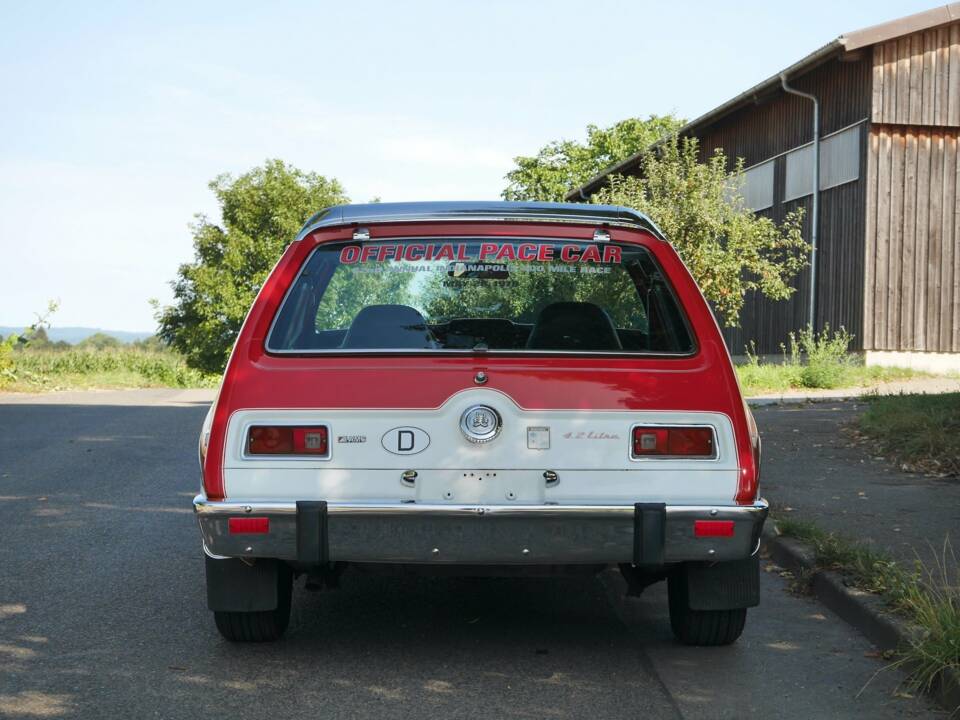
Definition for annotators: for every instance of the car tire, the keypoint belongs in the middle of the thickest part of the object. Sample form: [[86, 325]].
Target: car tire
[[260, 625], [701, 627]]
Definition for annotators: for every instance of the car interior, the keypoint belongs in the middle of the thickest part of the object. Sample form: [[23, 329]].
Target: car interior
[[561, 326]]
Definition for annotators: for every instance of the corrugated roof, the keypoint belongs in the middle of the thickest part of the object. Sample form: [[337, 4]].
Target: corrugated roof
[[847, 42]]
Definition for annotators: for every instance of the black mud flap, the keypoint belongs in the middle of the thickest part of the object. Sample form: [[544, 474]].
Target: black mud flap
[[235, 586], [723, 585], [312, 532], [649, 533]]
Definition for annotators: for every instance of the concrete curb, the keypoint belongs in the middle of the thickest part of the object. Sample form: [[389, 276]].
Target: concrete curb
[[763, 400], [862, 610]]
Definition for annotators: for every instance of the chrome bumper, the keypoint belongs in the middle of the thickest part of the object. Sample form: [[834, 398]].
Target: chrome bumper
[[312, 532]]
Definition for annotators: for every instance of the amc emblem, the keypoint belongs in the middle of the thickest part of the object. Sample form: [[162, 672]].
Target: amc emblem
[[480, 423], [405, 440]]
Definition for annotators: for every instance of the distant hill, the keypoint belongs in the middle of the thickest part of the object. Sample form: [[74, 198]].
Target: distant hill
[[73, 335]]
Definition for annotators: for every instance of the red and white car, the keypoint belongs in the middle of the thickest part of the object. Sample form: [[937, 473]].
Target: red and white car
[[489, 387]]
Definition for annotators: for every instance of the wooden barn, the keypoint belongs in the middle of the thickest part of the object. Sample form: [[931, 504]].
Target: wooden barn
[[887, 260]]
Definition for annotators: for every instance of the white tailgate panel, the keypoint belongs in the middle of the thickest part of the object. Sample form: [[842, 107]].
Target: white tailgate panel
[[589, 450]]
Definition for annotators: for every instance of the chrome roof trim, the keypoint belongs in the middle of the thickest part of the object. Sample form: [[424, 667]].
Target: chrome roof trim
[[480, 211]]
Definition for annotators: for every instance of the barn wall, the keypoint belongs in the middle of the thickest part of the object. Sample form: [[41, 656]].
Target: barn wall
[[774, 126], [889, 242], [916, 78], [839, 266], [912, 249], [780, 122]]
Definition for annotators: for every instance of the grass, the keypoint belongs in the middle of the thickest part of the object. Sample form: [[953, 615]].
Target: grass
[[929, 599], [776, 377], [921, 431], [40, 370]]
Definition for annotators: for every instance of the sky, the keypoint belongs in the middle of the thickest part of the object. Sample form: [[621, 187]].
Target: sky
[[115, 116]]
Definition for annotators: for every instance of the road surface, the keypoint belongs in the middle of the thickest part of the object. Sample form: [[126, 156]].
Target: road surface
[[102, 611]]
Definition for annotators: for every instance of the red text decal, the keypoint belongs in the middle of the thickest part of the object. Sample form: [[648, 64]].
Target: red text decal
[[488, 251]]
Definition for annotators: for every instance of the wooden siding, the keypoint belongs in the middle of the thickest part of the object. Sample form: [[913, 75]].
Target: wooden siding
[[912, 248], [775, 125], [781, 122], [916, 78]]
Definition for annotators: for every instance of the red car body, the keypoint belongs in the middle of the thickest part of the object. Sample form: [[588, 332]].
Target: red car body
[[256, 379]]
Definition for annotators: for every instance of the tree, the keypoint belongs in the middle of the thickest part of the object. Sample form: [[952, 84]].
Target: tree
[[262, 212], [561, 166], [99, 341], [524, 294], [39, 340], [149, 344], [699, 206], [349, 291]]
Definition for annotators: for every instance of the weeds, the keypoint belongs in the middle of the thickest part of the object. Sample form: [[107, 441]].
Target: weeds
[[921, 431], [927, 597], [827, 356], [814, 361]]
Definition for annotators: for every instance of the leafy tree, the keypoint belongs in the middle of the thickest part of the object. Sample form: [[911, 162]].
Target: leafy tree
[[699, 206], [349, 291], [39, 340], [560, 166], [99, 341], [523, 295], [150, 344], [262, 211]]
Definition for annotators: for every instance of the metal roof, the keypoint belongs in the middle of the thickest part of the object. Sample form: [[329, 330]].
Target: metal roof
[[497, 211], [847, 42]]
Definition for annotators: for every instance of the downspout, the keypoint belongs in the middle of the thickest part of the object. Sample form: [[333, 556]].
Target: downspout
[[815, 213]]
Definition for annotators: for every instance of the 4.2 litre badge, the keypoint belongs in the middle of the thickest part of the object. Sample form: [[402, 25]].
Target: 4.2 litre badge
[[480, 423]]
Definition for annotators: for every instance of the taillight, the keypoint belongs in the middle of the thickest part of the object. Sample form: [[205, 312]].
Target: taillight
[[287, 440], [673, 441]]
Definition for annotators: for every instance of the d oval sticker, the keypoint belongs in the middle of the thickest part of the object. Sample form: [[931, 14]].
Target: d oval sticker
[[405, 440]]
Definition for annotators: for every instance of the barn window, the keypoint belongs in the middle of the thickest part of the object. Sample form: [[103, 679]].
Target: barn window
[[840, 158], [839, 164], [799, 173], [757, 187]]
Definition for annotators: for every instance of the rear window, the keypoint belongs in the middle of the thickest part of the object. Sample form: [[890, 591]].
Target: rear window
[[480, 295]]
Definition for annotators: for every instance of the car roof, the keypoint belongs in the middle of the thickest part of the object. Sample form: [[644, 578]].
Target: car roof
[[502, 211]]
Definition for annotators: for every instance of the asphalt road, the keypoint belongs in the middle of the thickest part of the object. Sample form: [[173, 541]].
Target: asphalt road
[[102, 612], [849, 488]]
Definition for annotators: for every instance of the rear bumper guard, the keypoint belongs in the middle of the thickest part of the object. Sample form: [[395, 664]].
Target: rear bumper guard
[[316, 532]]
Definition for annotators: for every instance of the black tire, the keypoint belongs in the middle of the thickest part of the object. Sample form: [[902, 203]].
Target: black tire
[[701, 627], [263, 625]]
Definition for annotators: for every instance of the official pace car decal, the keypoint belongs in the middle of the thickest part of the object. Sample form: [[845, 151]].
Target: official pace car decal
[[486, 252]]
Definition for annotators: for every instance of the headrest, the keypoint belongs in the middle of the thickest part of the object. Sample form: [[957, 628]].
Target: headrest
[[388, 327]]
